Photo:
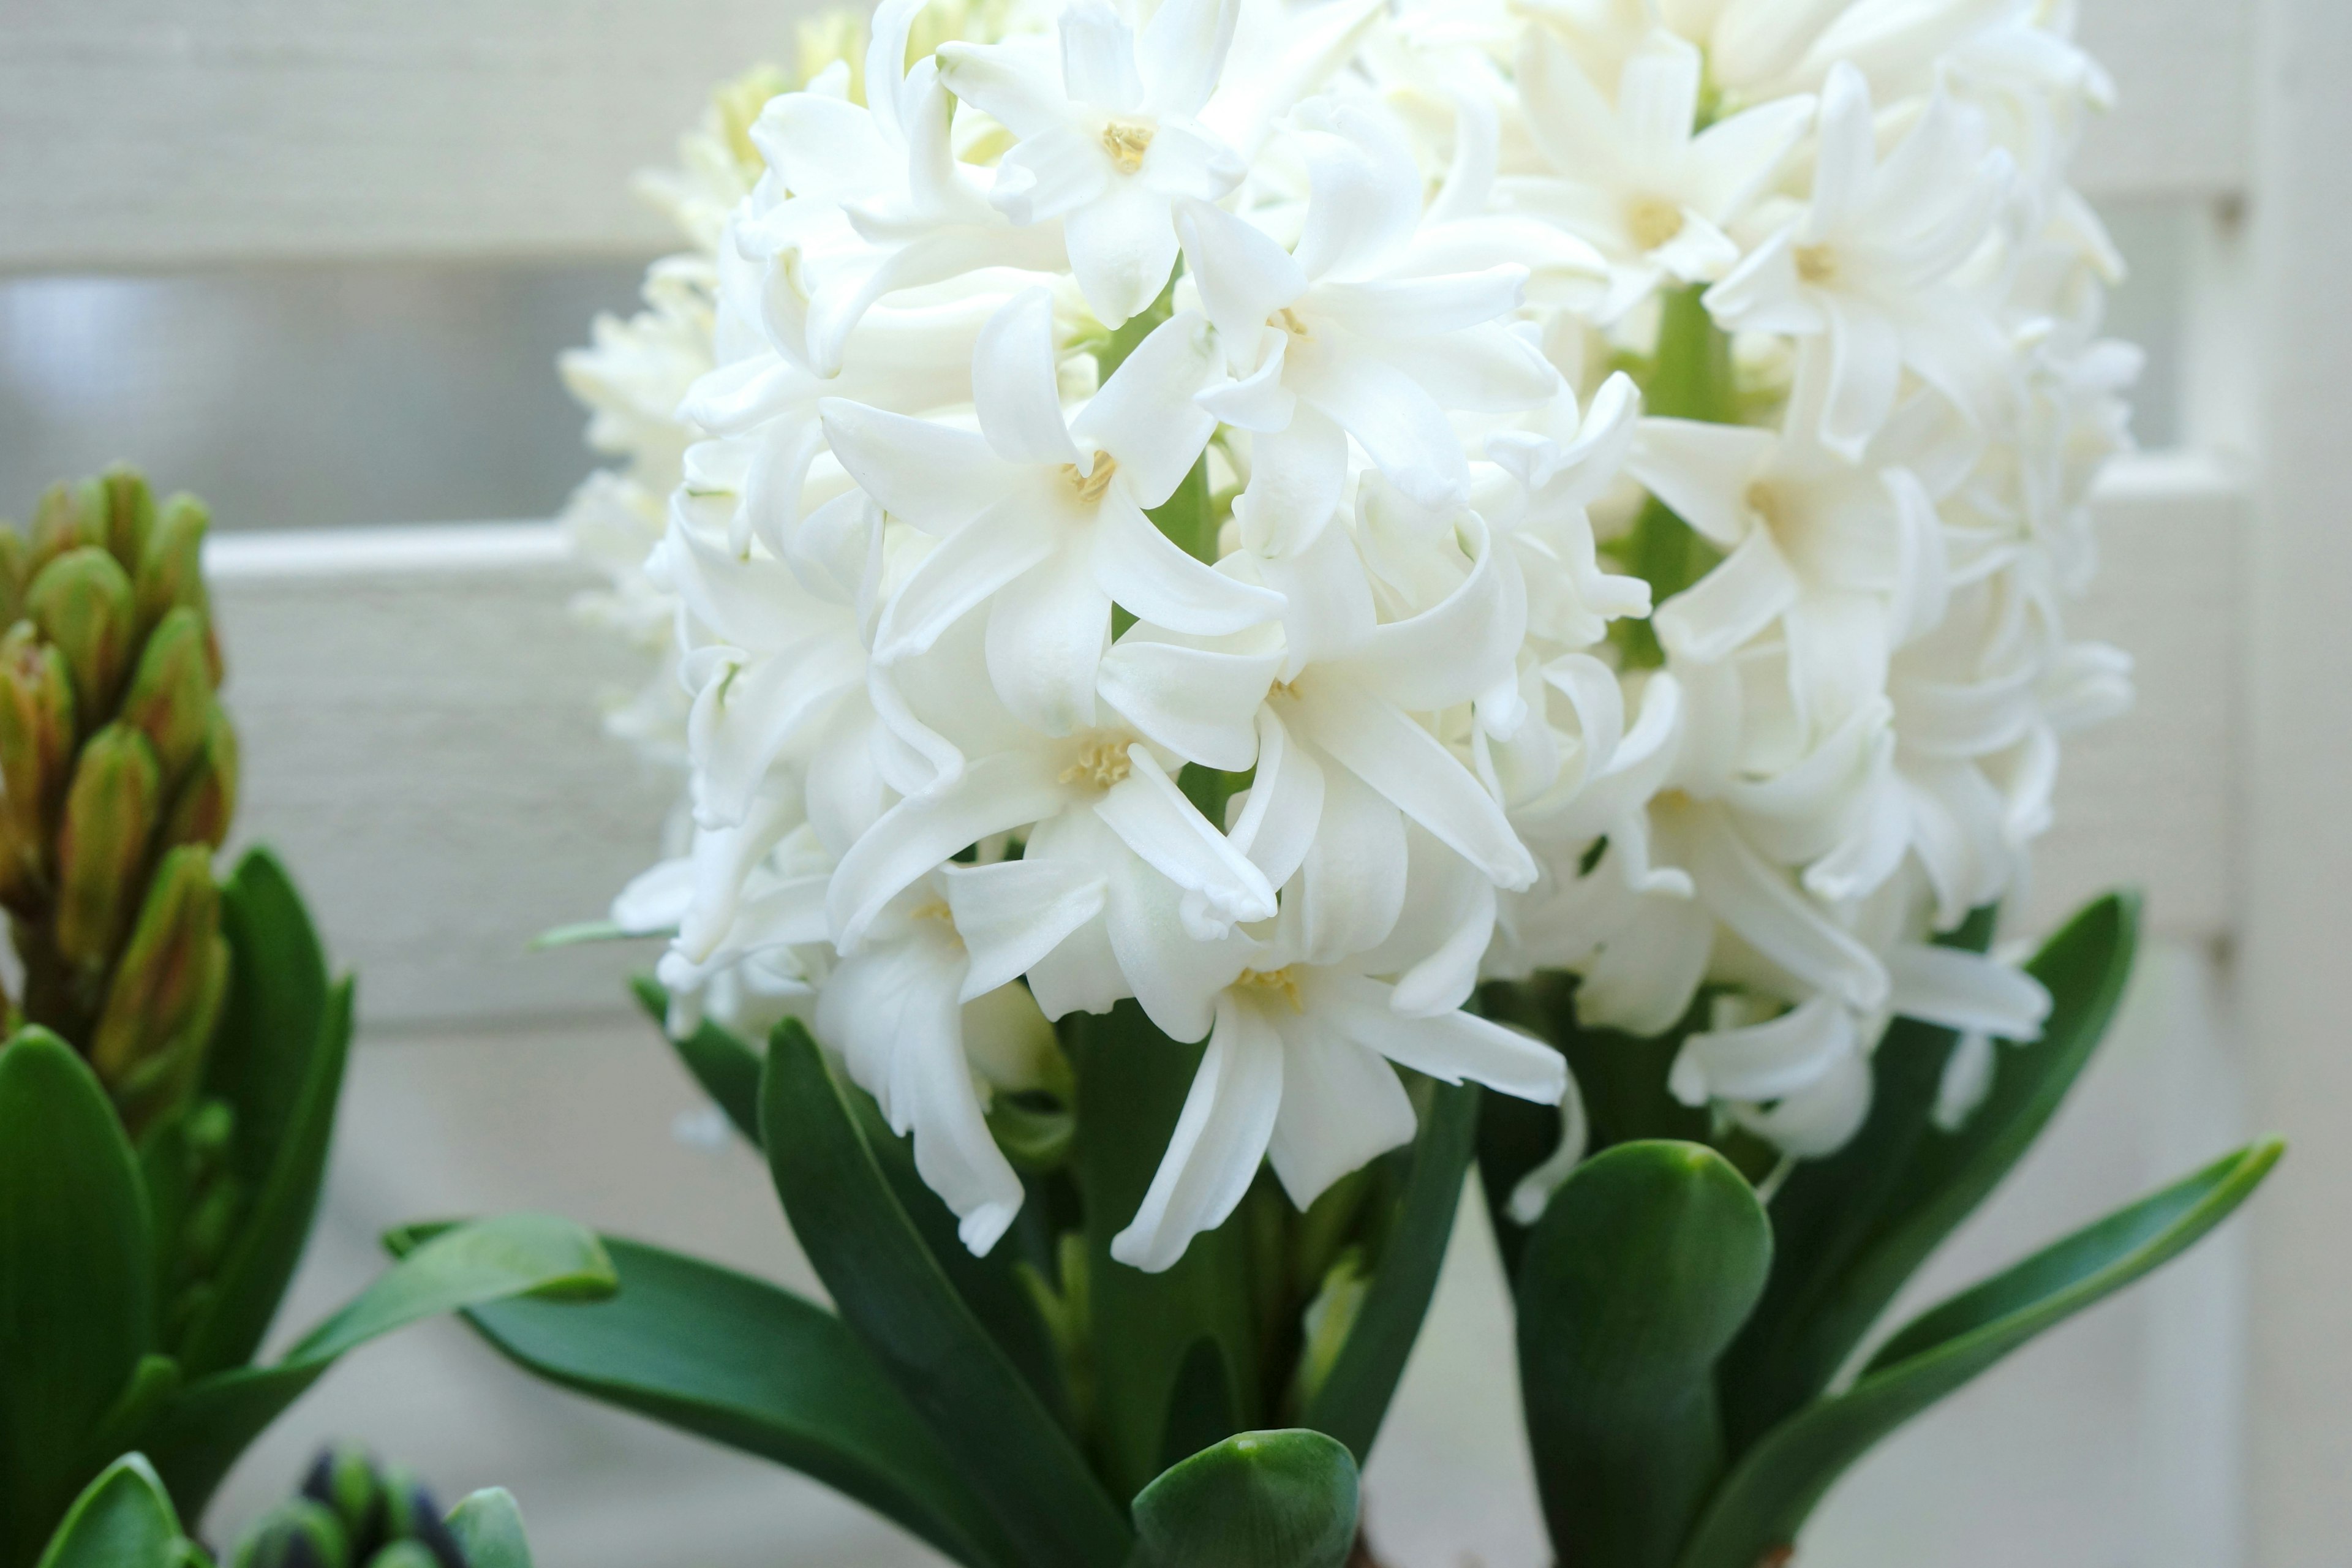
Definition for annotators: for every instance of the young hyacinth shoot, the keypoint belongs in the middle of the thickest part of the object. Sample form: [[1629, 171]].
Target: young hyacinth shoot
[[1285, 514]]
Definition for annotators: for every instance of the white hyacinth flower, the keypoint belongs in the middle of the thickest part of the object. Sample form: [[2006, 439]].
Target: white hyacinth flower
[[1164, 503]]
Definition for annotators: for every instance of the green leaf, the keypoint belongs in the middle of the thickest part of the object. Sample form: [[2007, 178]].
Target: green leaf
[[892, 1293], [200, 1430], [488, 1526], [1259, 1499], [743, 1363], [1200, 1404], [1640, 1272], [1767, 1498], [122, 1520], [724, 1064], [1850, 1229], [1350, 1402], [279, 1054], [76, 1284], [1132, 1080]]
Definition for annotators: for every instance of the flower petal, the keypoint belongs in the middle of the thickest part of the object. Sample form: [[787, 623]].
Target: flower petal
[[1013, 913], [1221, 1135], [1448, 1045], [1145, 571], [1015, 386], [1342, 1107]]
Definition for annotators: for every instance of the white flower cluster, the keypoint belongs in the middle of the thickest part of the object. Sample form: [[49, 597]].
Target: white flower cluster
[[1167, 516]]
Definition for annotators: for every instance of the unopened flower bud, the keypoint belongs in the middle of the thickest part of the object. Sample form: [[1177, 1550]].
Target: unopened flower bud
[[200, 813], [166, 991], [301, 1534], [68, 519], [82, 601], [170, 696], [171, 569], [16, 567], [111, 812], [130, 514], [36, 739]]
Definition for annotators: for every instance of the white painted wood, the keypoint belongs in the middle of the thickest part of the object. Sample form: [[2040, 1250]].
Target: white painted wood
[[158, 134], [2297, 832], [422, 743]]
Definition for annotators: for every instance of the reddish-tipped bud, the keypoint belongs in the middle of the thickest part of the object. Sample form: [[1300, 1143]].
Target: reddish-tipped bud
[[111, 809], [82, 602]]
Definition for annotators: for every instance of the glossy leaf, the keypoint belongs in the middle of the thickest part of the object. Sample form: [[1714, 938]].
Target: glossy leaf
[[122, 1520], [1648, 1260], [1350, 1402], [721, 1061], [891, 1291], [1132, 1080], [77, 1308], [279, 1054], [1852, 1230], [1258, 1500], [1760, 1508], [746, 1363], [488, 1526], [200, 1430]]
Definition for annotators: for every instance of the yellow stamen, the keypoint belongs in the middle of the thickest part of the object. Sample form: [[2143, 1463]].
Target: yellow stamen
[[1091, 487], [1764, 501], [1653, 221], [1817, 264], [1101, 762], [934, 910], [1287, 319], [1280, 980], [1127, 141]]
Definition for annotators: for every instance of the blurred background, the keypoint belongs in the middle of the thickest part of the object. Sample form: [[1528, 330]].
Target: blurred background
[[313, 259]]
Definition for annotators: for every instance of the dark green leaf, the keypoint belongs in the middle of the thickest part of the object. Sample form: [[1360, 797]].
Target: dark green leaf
[[743, 1363], [76, 1305], [890, 1291], [123, 1519], [1350, 1403], [1760, 1508], [1640, 1272], [200, 1430], [1259, 1499], [488, 1530], [1132, 1080], [278, 1058], [724, 1064], [1850, 1229], [1200, 1405]]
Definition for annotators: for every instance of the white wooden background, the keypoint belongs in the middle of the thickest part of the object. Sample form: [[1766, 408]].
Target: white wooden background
[[422, 743]]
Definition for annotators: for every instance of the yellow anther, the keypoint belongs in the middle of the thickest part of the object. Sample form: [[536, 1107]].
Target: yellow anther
[[1281, 980], [1653, 221], [1817, 264], [1127, 141], [1091, 487], [1287, 319], [1764, 501], [1101, 762], [933, 909]]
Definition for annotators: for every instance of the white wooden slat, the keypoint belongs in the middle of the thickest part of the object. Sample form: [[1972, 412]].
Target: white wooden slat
[[158, 134], [422, 743]]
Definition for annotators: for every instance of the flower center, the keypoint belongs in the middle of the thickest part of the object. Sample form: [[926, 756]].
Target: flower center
[[1653, 221], [932, 909], [1766, 503], [1091, 487], [1288, 321], [1281, 982], [1817, 264], [1101, 761], [1127, 141]]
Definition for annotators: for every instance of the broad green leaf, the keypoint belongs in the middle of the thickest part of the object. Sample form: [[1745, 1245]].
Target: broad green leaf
[[122, 1520], [488, 1530], [284, 1038], [1258, 1500], [1621, 1078], [743, 1363], [1646, 1262], [890, 1291], [1132, 1080], [1350, 1401], [722, 1062], [1200, 1404], [201, 1429], [727, 1069], [1767, 1498], [76, 1305], [1850, 1229]]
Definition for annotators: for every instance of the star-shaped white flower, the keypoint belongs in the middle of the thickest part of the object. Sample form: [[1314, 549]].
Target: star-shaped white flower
[[1107, 141]]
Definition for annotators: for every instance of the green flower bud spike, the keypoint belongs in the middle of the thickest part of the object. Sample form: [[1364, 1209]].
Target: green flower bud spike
[[117, 777]]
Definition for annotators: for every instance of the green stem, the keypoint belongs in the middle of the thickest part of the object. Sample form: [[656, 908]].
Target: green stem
[[1690, 377]]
